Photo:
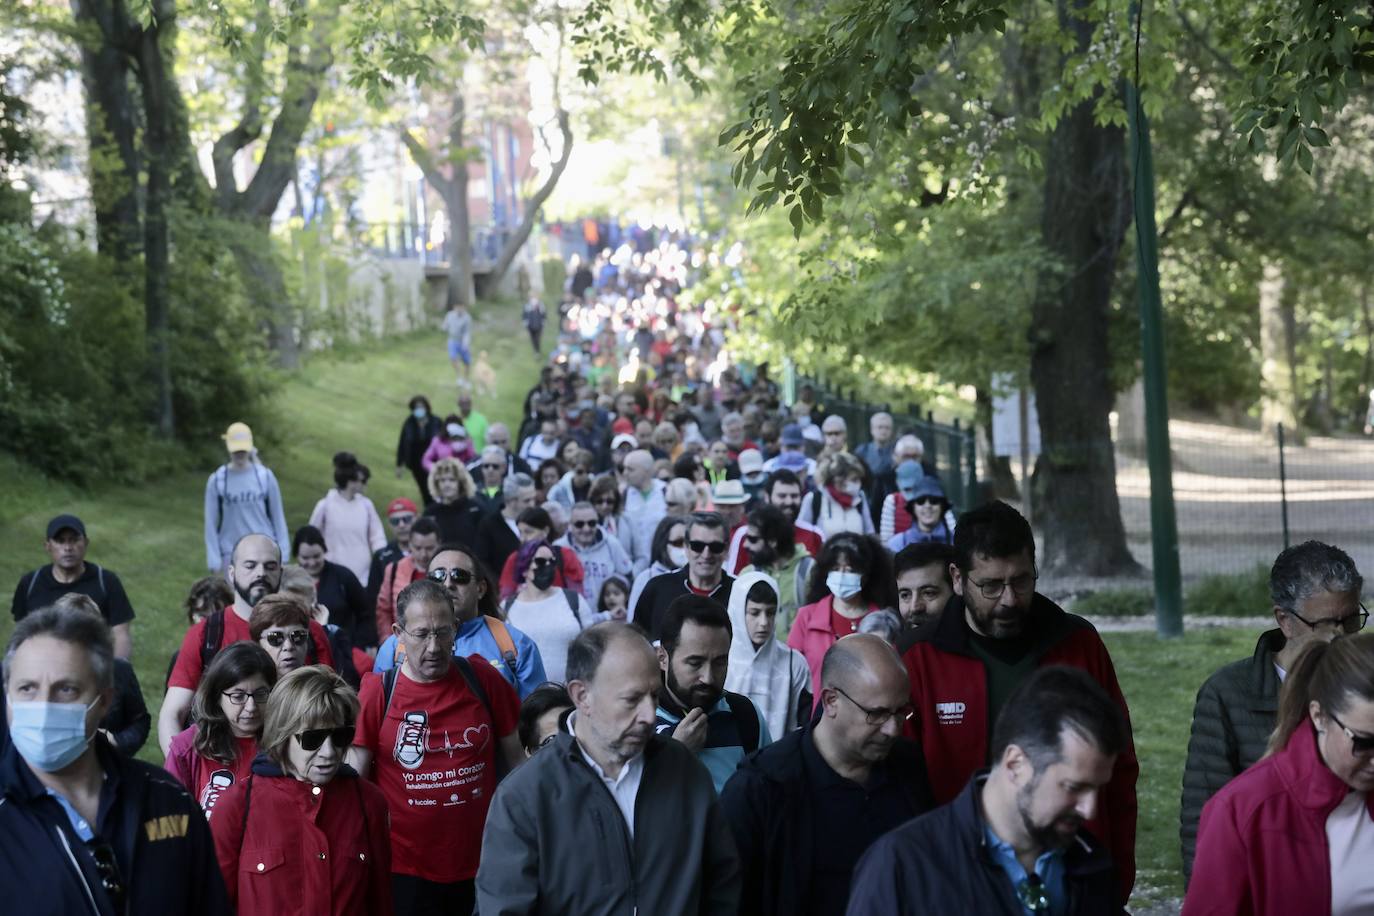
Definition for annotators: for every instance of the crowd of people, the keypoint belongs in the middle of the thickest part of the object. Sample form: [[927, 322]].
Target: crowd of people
[[666, 645]]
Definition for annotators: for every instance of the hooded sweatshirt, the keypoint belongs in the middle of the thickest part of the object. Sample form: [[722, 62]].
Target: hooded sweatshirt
[[600, 561], [775, 677]]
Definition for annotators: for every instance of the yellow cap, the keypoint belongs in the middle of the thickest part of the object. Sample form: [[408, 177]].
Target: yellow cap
[[238, 438]]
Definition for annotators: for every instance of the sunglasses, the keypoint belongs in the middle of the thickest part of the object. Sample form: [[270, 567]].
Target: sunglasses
[[585, 524], [541, 562], [398, 520], [312, 738], [716, 547], [455, 575], [108, 868], [927, 501], [677, 542], [1359, 744], [277, 638]]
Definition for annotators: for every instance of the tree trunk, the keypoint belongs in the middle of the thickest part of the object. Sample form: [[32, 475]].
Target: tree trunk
[[1086, 212], [999, 466], [1279, 397], [455, 194]]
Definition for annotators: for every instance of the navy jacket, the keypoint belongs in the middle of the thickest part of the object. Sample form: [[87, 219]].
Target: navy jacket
[[159, 835], [939, 863]]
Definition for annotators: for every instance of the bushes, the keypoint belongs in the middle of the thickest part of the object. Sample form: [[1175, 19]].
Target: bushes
[[1221, 595]]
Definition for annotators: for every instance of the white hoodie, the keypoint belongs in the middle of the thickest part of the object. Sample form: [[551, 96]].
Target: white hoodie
[[773, 675]]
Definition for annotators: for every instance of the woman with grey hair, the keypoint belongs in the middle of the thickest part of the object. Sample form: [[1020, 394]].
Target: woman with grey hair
[[840, 504]]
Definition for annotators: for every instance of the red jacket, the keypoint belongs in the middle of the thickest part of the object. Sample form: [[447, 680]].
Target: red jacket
[[949, 693], [569, 574], [394, 580], [304, 848], [1261, 843]]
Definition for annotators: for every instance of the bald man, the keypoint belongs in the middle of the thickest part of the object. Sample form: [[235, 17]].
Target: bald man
[[644, 502], [804, 809]]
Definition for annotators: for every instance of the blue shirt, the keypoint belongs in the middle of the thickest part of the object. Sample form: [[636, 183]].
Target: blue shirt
[[474, 638], [78, 822], [722, 752], [1049, 868]]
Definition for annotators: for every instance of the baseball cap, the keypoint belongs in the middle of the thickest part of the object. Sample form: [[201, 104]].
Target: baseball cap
[[456, 431], [791, 434], [624, 439], [729, 493], [750, 461], [791, 461], [238, 438], [401, 504], [909, 473], [61, 522], [622, 425]]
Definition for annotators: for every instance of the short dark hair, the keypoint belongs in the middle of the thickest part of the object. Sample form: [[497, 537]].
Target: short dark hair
[[589, 647], [698, 609], [993, 530], [420, 401], [424, 525], [773, 526], [425, 592], [919, 556], [308, 534], [1053, 699], [542, 699], [782, 475], [762, 593], [486, 604], [535, 517], [712, 520]]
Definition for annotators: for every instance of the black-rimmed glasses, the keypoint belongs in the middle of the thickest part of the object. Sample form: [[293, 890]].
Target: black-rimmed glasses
[[1351, 623], [241, 697], [879, 716], [1021, 585]]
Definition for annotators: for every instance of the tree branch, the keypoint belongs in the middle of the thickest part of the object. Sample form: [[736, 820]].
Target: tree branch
[[249, 127], [532, 206]]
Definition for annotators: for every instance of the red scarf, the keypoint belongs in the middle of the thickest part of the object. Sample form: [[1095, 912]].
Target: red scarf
[[844, 499]]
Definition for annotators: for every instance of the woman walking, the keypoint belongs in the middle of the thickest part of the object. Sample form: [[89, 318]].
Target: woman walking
[[349, 519]]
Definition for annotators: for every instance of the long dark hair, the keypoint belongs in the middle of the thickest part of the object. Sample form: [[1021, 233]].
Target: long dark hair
[[233, 663], [863, 552], [1332, 674], [658, 546]]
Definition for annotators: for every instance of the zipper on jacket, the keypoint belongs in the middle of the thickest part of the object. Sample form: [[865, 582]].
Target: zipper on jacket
[[71, 856], [623, 832]]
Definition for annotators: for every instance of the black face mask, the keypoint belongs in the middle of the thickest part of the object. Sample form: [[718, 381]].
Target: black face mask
[[543, 577]]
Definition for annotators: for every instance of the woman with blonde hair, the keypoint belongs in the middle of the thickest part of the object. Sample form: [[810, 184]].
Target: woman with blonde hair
[[454, 509], [1295, 832], [840, 504], [304, 833]]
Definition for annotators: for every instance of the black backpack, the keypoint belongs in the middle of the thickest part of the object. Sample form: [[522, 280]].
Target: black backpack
[[470, 678]]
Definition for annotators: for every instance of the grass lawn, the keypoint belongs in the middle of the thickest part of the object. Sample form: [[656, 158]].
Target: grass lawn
[[151, 535], [1160, 679]]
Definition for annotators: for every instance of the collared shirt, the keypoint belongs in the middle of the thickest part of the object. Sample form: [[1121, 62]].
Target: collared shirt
[[79, 823], [1049, 868], [624, 788]]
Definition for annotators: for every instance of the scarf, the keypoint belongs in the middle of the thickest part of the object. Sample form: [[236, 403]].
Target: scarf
[[843, 499]]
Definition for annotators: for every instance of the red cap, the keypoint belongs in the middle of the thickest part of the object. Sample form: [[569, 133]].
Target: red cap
[[622, 425], [401, 504]]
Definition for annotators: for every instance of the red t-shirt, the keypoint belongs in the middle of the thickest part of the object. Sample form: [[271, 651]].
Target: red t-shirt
[[210, 778], [434, 758], [843, 626], [189, 669]]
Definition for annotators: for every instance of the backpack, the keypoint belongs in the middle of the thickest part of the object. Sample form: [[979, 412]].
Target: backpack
[[99, 575], [746, 720], [568, 595], [470, 678], [505, 645], [214, 641], [222, 489]]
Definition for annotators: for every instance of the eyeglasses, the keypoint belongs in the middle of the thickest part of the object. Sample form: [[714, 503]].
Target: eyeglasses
[[1023, 584], [1359, 744], [716, 547], [277, 638], [1351, 623], [312, 738], [241, 697], [585, 524], [879, 716], [677, 542], [442, 635], [1031, 893], [108, 868], [399, 520], [455, 575]]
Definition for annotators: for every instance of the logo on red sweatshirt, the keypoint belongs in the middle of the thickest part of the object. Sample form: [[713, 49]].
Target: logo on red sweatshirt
[[950, 713]]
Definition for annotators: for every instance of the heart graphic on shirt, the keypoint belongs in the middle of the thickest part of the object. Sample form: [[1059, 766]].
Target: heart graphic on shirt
[[475, 736]]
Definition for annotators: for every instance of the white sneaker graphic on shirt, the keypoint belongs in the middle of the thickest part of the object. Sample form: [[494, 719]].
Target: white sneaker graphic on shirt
[[411, 737]]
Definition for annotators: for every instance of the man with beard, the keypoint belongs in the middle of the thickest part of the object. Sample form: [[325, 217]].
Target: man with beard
[[804, 810], [1014, 841], [783, 490], [924, 584], [993, 634], [255, 573], [720, 727], [609, 817]]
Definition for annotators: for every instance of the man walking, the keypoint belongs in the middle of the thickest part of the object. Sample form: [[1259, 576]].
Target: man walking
[[703, 575], [600, 554], [66, 544], [439, 730], [424, 541], [610, 817], [877, 453], [1014, 840], [806, 808]]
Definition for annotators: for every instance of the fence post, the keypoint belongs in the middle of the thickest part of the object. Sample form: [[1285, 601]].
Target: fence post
[[971, 495], [1283, 488]]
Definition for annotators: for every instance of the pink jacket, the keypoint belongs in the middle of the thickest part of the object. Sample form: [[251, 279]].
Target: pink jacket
[[439, 450], [812, 635], [1261, 844]]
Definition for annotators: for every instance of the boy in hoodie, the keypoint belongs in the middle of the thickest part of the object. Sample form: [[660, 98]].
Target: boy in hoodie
[[601, 556], [765, 670]]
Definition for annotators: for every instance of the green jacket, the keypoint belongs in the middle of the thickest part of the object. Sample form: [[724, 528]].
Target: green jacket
[[1232, 719]]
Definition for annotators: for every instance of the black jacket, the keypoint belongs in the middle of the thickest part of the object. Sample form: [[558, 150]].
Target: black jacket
[[128, 719], [1235, 712], [458, 522], [340, 591], [660, 592], [496, 542], [769, 804], [939, 863], [414, 439], [160, 838]]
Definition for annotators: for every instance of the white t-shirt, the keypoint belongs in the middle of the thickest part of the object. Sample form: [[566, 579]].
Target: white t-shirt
[[1350, 837], [553, 626]]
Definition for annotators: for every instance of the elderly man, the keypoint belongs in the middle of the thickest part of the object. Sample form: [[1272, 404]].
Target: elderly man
[[66, 544], [489, 473], [610, 817], [806, 808], [906, 448], [602, 555], [836, 434], [703, 575], [439, 729], [1013, 841], [644, 503], [84, 829], [498, 434], [877, 454], [1315, 593], [498, 536]]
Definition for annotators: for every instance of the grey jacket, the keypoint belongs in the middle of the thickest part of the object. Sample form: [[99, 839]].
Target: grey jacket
[[1235, 712], [556, 843]]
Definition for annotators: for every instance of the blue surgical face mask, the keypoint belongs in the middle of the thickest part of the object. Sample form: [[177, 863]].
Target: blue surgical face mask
[[419, 413], [845, 584], [50, 735]]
